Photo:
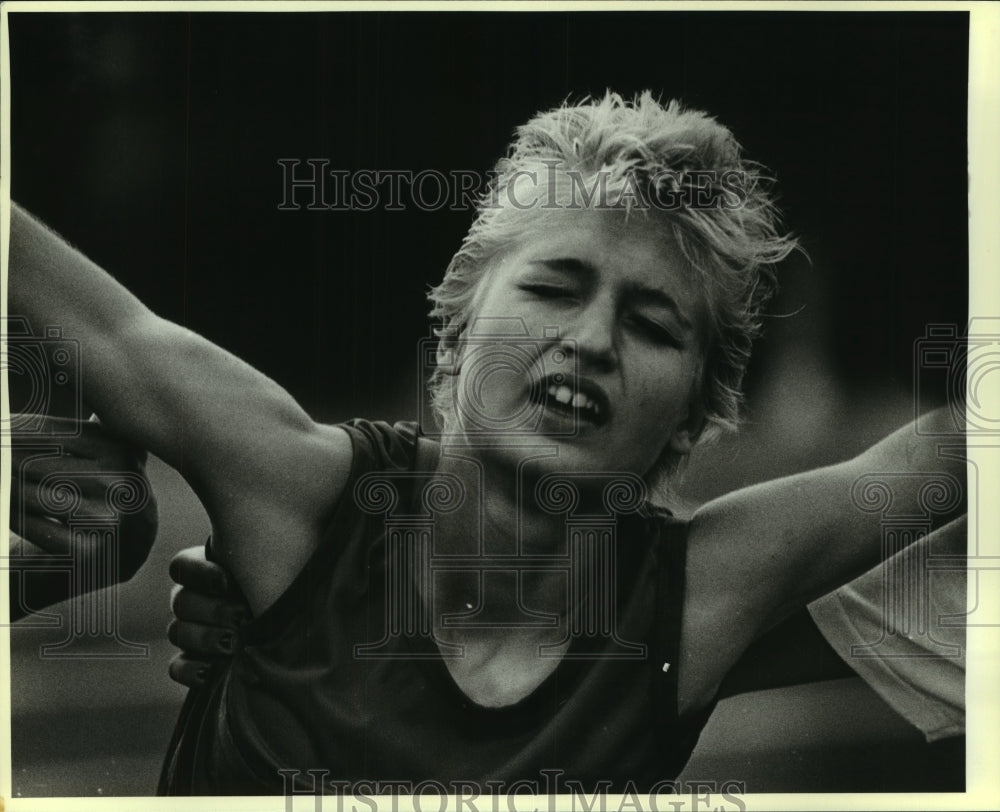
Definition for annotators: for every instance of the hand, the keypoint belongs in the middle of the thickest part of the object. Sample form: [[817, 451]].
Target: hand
[[99, 468], [208, 610]]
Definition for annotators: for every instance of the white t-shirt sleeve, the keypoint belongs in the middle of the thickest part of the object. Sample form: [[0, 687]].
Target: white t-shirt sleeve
[[901, 627]]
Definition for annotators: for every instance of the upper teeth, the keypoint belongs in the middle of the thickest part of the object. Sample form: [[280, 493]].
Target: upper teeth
[[578, 400]]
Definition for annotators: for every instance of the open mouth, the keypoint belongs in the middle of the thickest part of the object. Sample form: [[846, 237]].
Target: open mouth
[[572, 397]]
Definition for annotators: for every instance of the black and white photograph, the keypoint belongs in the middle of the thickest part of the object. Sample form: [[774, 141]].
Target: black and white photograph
[[528, 408]]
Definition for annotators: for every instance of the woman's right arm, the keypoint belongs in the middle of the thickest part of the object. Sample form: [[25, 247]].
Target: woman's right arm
[[267, 474]]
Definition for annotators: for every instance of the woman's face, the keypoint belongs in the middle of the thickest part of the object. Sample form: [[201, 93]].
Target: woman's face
[[589, 334]]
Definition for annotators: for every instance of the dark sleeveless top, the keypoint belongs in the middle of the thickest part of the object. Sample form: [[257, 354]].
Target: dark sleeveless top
[[303, 693]]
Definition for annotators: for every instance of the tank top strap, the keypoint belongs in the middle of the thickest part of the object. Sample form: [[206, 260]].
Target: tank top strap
[[675, 735], [671, 560]]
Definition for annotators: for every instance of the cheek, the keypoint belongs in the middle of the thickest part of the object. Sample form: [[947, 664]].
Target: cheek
[[664, 400], [648, 423], [665, 386]]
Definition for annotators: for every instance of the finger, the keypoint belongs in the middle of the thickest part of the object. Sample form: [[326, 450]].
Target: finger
[[196, 639], [194, 607], [71, 485], [39, 457], [51, 535], [37, 465], [43, 428], [88, 439], [35, 521], [191, 673], [191, 568], [83, 496], [25, 426]]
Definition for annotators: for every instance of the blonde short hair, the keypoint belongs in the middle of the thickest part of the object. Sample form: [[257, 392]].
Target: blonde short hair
[[648, 157]]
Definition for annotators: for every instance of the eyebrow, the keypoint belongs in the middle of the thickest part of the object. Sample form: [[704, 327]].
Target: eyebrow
[[645, 294]]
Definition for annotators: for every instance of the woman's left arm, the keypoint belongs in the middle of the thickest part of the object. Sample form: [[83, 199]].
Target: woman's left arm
[[799, 537]]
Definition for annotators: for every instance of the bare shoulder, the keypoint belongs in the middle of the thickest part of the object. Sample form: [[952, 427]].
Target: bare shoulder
[[746, 552], [715, 624]]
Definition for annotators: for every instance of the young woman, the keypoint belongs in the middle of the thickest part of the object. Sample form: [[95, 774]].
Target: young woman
[[596, 323]]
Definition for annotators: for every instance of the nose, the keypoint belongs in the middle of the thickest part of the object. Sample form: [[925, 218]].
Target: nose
[[591, 336]]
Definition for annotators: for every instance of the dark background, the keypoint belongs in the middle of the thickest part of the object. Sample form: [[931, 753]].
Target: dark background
[[151, 141]]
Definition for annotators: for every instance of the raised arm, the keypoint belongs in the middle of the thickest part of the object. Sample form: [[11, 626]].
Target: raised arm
[[759, 553], [267, 474], [809, 533]]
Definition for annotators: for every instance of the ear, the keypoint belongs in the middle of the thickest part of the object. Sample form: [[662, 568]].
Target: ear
[[686, 434]]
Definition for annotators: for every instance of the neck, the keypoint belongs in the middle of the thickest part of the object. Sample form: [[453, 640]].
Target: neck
[[498, 520], [499, 515]]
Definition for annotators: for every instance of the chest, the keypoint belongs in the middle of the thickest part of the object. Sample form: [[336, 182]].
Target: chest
[[499, 672]]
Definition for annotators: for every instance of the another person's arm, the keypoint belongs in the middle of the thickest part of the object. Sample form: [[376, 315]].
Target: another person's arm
[[82, 455], [208, 611], [901, 628]]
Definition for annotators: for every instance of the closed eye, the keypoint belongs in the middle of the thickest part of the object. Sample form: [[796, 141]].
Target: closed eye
[[656, 332], [546, 291]]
